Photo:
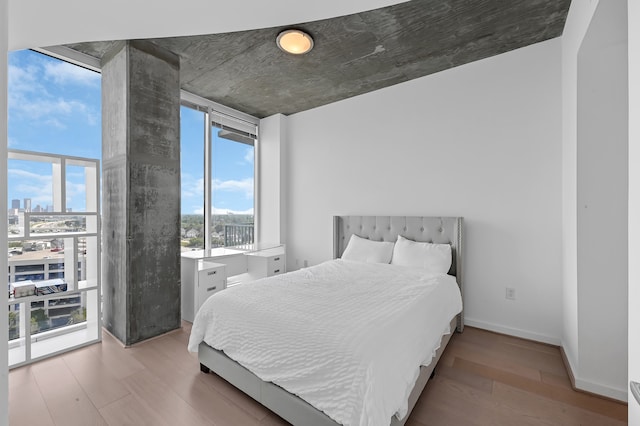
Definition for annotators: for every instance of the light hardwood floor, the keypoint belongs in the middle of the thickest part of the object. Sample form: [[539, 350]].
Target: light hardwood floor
[[483, 379]]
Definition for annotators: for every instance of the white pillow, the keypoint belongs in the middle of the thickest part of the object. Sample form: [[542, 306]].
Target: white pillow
[[432, 257], [364, 250]]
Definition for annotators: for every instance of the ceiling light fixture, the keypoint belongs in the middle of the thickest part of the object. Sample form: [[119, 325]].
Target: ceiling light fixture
[[295, 42]]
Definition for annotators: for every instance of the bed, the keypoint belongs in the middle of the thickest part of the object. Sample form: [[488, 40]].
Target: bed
[[295, 409]]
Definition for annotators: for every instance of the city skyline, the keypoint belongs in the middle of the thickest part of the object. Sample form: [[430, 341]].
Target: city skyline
[[25, 206]]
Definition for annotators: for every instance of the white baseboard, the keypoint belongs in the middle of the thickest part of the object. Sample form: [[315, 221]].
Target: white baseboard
[[512, 331], [591, 387], [578, 383], [604, 390]]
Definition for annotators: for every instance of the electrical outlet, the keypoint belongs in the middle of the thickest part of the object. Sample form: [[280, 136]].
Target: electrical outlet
[[510, 294], [306, 263]]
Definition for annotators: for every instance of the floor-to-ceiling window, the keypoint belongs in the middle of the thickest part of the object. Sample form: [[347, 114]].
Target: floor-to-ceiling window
[[232, 185], [192, 139], [218, 153], [54, 125]]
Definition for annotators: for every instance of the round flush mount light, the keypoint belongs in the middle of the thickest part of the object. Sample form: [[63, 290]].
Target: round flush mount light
[[295, 42]]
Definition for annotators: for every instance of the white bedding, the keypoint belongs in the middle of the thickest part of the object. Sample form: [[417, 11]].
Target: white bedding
[[347, 337]]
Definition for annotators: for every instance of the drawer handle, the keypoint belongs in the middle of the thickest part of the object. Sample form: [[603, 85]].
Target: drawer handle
[[276, 271], [212, 273], [212, 288], [275, 259]]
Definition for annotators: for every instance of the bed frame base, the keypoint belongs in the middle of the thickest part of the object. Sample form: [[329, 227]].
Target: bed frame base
[[288, 406]]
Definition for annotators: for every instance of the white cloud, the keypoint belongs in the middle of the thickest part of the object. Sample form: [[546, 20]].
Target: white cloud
[[92, 117], [29, 98], [23, 174], [54, 122], [200, 210], [228, 211], [248, 155], [24, 79], [42, 107], [66, 73], [191, 186], [194, 187], [244, 185], [77, 174], [37, 186], [76, 191]]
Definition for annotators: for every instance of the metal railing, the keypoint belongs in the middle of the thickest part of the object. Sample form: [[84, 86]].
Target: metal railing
[[236, 235]]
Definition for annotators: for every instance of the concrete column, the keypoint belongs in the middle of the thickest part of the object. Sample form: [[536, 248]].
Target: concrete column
[[141, 191]]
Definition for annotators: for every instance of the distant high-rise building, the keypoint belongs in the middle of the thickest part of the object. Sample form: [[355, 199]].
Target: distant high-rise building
[[15, 204], [27, 204]]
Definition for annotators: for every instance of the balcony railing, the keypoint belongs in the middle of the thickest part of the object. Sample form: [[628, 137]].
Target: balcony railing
[[236, 235]]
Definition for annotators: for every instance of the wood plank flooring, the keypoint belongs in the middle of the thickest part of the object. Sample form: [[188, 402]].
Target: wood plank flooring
[[483, 379]]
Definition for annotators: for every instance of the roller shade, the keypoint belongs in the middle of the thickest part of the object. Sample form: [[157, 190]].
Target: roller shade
[[231, 124], [234, 125]]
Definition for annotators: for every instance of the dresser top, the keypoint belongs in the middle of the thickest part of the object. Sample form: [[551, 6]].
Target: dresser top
[[230, 251]]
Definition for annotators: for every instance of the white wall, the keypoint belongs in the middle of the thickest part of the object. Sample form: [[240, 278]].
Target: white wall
[[596, 144], [271, 193], [481, 141], [634, 204], [578, 20], [65, 21], [602, 194], [4, 327]]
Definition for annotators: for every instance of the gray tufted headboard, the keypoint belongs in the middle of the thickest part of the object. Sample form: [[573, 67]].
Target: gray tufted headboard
[[439, 230]]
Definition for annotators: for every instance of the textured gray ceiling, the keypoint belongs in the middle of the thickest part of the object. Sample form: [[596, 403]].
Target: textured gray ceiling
[[354, 54]]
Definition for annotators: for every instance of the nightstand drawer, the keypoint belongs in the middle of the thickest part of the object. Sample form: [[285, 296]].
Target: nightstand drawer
[[207, 289], [207, 276], [210, 281], [275, 265], [267, 263]]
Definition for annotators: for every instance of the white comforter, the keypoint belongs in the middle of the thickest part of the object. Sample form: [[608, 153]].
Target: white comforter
[[347, 337]]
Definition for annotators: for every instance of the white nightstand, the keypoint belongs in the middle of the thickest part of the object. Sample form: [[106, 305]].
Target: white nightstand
[[200, 280], [266, 263], [204, 272]]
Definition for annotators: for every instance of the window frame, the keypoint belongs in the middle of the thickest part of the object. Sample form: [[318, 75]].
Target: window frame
[[229, 116], [234, 119]]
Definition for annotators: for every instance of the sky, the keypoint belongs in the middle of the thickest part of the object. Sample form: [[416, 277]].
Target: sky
[[55, 107], [232, 169]]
